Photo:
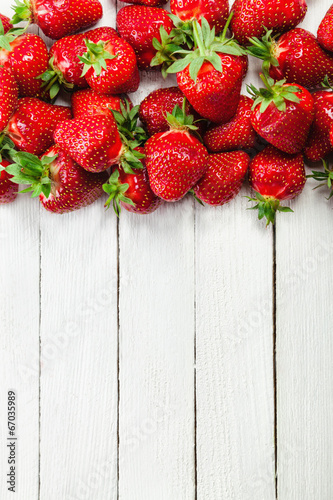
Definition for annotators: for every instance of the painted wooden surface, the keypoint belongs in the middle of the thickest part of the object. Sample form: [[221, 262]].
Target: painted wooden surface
[[142, 351]]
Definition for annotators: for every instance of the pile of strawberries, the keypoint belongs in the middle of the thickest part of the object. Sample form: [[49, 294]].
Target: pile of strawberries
[[201, 137]]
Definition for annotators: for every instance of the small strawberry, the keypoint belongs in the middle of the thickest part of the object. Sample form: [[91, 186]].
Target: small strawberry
[[324, 177], [282, 114], [8, 189], [236, 134], [148, 3], [88, 102], [175, 159], [251, 17], [58, 19], [275, 176], [325, 31], [8, 95], [296, 57], [110, 65], [61, 184], [223, 178], [6, 24], [154, 108], [33, 122], [211, 75], [214, 11], [139, 25], [318, 144]]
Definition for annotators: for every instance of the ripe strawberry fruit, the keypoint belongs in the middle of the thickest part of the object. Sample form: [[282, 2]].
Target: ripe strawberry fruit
[[61, 184], [9, 96], [148, 3], [275, 176], [8, 189], [33, 122], [57, 19], [296, 56], [175, 159], [325, 30], [139, 25], [214, 11], [88, 102], [282, 114], [318, 144], [6, 24], [236, 134], [250, 18], [223, 178], [211, 75]]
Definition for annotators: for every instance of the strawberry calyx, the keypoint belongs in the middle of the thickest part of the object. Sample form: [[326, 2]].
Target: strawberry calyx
[[53, 81], [324, 177], [22, 12], [273, 92], [6, 147], [267, 207], [179, 120], [117, 191], [169, 45], [9, 37], [264, 49], [95, 57]]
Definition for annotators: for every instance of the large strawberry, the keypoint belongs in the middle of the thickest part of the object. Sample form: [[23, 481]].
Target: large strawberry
[[8, 189], [211, 75], [110, 65], [61, 184], [318, 144], [175, 160], [139, 25], [214, 11], [88, 102], [148, 3], [32, 124], [325, 30], [236, 134], [275, 176], [296, 56], [282, 114], [8, 96], [27, 57], [223, 178], [58, 19], [250, 17]]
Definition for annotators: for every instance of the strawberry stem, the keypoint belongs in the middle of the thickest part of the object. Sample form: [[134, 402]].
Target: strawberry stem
[[117, 191], [267, 207]]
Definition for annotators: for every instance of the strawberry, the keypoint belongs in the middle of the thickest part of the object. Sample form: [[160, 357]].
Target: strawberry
[[109, 64], [6, 24], [57, 19], [27, 57], [154, 108], [238, 133], [175, 159], [275, 176], [282, 114], [318, 144], [211, 75], [325, 30], [8, 189], [296, 56], [148, 3], [8, 95], [139, 25], [32, 124], [250, 18], [223, 178], [131, 191], [214, 11], [88, 102], [61, 184]]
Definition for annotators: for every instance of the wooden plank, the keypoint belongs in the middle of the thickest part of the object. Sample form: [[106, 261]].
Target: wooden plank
[[304, 338]]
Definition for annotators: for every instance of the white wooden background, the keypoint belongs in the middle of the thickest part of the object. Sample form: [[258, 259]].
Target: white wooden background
[[142, 351]]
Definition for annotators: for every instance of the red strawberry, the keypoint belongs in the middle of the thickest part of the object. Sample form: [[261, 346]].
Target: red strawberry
[[175, 159], [282, 114], [236, 134], [325, 31], [8, 189], [251, 17], [6, 24], [87, 102], [318, 144], [32, 125], [211, 75], [58, 19], [8, 96], [27, 57], [223, 178], [109, 64], [296, 56], [275, 176], [154, 108], [214, 11], [139, 25], [61, 184], [148, 3]]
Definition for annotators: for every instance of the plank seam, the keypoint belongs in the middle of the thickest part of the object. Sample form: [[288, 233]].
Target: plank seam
[[40, 358], [118, 355], [195, 358], [274, 366]]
